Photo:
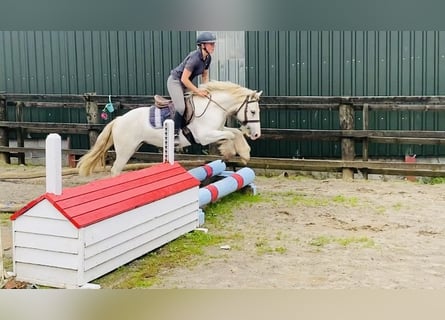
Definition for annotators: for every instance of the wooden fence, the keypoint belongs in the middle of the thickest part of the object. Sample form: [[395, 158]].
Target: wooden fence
[[347, 134]]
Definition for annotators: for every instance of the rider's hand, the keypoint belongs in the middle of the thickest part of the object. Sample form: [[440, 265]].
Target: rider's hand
[[202, 93]]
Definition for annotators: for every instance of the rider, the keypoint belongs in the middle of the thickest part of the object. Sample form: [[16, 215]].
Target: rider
[[180, 80]]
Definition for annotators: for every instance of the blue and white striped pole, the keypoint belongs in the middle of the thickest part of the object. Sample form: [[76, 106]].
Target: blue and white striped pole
[[223, 187]]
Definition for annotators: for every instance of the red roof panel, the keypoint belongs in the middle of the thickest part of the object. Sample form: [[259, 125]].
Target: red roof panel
[[98, 200]]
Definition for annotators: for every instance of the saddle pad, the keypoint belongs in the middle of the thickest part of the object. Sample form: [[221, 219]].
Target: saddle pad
[[159, 115]]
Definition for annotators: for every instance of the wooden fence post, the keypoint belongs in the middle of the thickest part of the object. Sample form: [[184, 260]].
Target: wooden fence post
[[365, 143], [92, 113], [4, 140], [20, 132], [346, 114]]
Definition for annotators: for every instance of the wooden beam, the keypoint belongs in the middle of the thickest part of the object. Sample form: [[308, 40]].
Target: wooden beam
[[52, 126]]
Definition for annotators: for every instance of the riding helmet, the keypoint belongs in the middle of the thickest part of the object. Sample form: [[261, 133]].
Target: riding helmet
[[206, 37]]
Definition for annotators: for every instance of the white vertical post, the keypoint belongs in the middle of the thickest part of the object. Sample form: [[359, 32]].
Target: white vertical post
[[53, 162], [169, 141]]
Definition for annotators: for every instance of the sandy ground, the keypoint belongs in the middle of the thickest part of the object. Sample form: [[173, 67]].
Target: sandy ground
[[309, 233]]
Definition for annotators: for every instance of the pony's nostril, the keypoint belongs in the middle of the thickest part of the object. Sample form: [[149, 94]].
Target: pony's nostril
[[254, 136]]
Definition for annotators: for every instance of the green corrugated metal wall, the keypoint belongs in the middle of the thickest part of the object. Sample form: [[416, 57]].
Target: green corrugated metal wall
[[345, 63], [76, 62], [326, 63], [280, 63], [105, 62]]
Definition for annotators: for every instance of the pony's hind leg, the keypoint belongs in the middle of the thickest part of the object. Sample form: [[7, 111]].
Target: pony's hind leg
[[118, 166], [123, 154]]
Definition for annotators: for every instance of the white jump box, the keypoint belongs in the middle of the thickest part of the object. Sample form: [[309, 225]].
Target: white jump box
[[70, 239]]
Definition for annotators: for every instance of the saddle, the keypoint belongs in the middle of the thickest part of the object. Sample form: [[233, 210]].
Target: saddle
[[161, 102], [164, 108]]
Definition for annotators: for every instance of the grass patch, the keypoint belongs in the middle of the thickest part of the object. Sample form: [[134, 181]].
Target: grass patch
[[363, 241], [380, 209], [320, 241], [324, 240], [218, 212], [433, 180], [280, 236], [280, 250], [4, 219], [397, 206], [184, 251], [348, 201], [143, 272], [293, 199], [263, 247]]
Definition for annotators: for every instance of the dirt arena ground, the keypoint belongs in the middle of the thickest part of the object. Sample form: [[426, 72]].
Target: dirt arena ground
[[321, 232]]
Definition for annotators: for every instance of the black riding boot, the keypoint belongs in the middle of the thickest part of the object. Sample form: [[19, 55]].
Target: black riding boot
[[178, 125]]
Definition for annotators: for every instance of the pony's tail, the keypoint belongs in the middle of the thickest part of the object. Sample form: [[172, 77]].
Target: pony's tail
[[89, 161]]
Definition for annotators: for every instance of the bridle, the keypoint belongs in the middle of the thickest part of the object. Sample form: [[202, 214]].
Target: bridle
[[244, 104]]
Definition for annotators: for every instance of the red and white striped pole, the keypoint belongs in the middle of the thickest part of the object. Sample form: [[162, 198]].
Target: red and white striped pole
[[208, 170]]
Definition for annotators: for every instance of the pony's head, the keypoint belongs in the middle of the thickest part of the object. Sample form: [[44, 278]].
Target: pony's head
[[248, 114], [244, 105]]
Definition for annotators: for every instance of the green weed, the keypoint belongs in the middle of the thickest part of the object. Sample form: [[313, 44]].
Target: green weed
[[222, 210], [380, 209], [322, 241], [397, 206], [352, 201], [263, 247], [4, 219], [293, 198], [433, 180]]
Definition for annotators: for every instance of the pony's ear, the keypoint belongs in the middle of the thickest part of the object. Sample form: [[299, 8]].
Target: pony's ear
[[258, 94]]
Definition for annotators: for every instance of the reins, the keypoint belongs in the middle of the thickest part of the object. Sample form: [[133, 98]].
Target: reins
[[245, 103], [208, 104]]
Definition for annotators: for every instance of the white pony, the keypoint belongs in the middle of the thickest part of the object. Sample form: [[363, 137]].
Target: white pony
[[207, 125]]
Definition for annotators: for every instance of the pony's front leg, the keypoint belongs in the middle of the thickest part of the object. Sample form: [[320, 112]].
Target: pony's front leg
[[239, 145], [214, 136]]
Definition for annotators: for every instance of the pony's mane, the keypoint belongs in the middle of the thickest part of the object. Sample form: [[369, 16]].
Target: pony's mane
[[232, 88]]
